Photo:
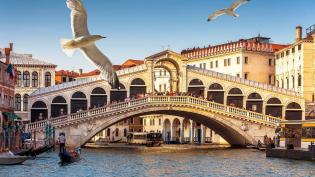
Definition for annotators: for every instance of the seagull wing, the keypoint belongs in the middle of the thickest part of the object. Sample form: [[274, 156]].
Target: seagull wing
[[101, 61], [78, 18], [216, 14], [237, 4]]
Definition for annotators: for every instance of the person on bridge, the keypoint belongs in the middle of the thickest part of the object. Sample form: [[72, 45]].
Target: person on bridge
[[62, 142]]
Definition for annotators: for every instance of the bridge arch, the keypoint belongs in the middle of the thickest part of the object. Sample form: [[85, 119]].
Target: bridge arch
[[78, 102], [216, 93], [229, 130], [235, 97], [137, 87], [274, 107], [39, 111], [118, 95], [59, 106]]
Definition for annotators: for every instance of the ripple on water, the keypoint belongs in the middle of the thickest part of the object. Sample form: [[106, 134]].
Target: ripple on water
[[100, 162]]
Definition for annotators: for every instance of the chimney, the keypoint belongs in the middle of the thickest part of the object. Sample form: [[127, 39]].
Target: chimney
[[7, 55], [80, 71], [11, 46], [298, 33]]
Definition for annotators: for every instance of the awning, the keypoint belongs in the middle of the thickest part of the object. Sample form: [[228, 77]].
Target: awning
[[12, 116]]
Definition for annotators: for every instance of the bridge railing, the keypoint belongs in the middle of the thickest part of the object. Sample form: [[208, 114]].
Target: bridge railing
[[112, 108]]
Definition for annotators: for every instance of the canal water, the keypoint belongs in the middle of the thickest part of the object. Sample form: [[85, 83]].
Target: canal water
[[111, 162]]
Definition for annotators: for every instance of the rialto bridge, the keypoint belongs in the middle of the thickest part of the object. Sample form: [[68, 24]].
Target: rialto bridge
[[221, 102]]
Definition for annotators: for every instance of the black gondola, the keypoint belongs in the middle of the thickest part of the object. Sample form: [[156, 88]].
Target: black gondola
[[23, 152], [69, 157]]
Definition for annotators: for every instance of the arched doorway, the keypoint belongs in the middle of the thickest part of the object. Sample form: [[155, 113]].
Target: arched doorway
[[78, 102], [235, 98], [187, 132], [39, 111], [216, 93], [293, 112], [167, 131], [98, 98], [254, 102], [274, 107], [137, 88], [196, 88], [176, 131], [118, 95], [59, 107]]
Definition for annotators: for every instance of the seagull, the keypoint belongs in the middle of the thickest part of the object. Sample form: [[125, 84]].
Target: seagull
[[84, 41], [228, 11]]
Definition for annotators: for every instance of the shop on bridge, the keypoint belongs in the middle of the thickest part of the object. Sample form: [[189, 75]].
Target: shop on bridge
[[235, 98], [196, 88], [59, 107], [118, 95], [216, 93], [78, 102], [39, 111], [254, 103], [137, 88], [98, 97], [274, 107]]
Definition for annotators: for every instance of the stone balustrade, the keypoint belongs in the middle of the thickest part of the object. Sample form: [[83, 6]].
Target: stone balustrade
[[195, 103]]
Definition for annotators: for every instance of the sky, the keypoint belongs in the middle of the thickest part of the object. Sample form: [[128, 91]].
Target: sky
[[136, 29]]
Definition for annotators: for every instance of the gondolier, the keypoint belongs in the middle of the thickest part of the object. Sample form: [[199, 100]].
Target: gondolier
[[62, 142]]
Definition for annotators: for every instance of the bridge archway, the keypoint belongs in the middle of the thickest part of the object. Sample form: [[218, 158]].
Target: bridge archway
[[98, 97], [39, 111], [293, 111], [235, 98], [118, 95], [59, 106], [137, 88], [78, 102], [274, 107], [196, 88], [216, 93], [176, 130], [227, 129], [254, 102]]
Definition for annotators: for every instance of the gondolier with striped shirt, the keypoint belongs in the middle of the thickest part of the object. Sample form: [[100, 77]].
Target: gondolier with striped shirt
[[62, 142]]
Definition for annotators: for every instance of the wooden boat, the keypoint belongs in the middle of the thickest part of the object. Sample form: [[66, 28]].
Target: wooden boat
[[102, 141], [23, 152], [41, 150], [9, 158], [69, 157]]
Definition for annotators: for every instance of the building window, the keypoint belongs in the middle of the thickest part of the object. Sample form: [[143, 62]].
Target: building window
[[211, 64], [293, 83], [270, 62], [238, 60], [270, 79], [26, 78], [204, 65], [17, 102], [287, 53], [293, 50], [25, 102], [282, 83], [160, 121], [246, 60], [131, 120], [216, 63], [64, 79], [299, 80], [299, 47], [200, 65], [19, 78], [125, 132], [34, 79], [47, 79], [238, 75], [287, 82], [225, 62], [246, 76], [229, 62], [117, 132]]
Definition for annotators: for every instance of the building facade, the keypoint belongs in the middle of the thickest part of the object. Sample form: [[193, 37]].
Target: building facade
[[239, 58], [31, 74]]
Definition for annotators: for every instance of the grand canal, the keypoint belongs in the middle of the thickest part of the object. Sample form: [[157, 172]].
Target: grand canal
[[222, 162]]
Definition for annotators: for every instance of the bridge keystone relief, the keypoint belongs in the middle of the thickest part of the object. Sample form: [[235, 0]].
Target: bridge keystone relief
[[224, 103]]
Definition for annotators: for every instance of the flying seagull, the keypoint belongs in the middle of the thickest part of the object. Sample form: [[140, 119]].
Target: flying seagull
[[228, 11], [84, 41]]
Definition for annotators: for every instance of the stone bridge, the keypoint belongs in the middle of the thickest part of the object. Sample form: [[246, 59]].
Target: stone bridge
[[225, 120]]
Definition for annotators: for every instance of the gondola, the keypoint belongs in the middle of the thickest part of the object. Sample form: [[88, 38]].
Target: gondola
[[69, 157], [9, 158], [23, 152]]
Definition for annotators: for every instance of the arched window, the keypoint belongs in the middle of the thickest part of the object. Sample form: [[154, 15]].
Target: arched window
[[39, 111], [34, 79], [293, 83], [299, 80], [288, 83], [26, 79], [25, 102], [19, 78], [108, 132], [17, 102], [47, 79], [125, 132], [117, 132]]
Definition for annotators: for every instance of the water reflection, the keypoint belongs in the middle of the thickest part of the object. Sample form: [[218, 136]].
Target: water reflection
[[99, 163]]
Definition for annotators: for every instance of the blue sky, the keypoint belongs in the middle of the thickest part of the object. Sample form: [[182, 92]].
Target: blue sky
[[139, 28]]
